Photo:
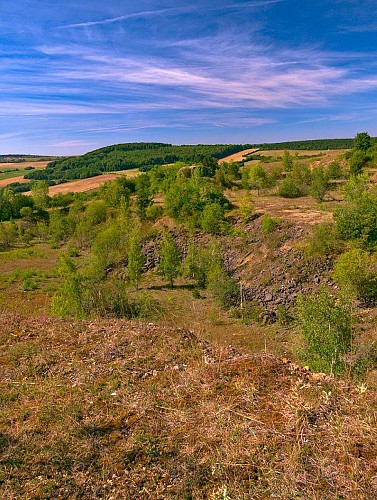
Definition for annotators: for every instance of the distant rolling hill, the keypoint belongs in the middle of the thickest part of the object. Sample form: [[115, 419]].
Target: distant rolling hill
[[145, 155]]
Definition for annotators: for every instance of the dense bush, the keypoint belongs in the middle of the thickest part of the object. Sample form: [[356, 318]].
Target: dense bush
[[357, 220], [322, 241], [356, 272], [326, 327]]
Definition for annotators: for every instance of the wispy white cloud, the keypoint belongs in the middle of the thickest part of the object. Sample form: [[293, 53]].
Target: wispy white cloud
[[135, 15], [72, 144], [360, 28], [170, 12], [250, 77]]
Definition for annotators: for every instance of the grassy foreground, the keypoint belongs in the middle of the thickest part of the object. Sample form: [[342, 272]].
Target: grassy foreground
[[113, 409]]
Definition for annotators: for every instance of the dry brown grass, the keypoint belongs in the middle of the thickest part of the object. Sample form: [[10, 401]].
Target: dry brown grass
[[110, 409]]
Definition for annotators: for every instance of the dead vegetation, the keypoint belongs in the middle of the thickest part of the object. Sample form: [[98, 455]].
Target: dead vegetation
[[109, 409]]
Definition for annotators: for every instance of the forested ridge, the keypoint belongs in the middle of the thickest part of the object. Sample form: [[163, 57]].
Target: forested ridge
[[128, 156], [145, 155]]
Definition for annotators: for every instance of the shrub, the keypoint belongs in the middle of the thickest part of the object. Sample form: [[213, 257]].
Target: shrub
[[269, 224], [358, 219], [224, 288], [154, 212], [322, 241], [212, 220], [246, 209], [359, 159], [170, 258], [326, 327], [82, 297], [356, 272], [319, 184], [334, 170], [289, 188]]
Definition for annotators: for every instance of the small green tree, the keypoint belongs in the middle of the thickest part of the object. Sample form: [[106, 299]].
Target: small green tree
[[356, 273], [258, 178], [170, 258], [334, 170], [358, 160], [287, 161], [326, 327], [362, 141], [69, 299], [319, 185], [39, 193], [212, 219], [201, 262], [136, 259], [289, 188], [144, 197]]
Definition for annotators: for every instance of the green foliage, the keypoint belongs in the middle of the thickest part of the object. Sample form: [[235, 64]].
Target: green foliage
[[326, 327], [212, 219], [187, 198], [115, 192], [287, 161], [154, 212], [258, 178], [269, 224], [201, 263], [227, 174], [8, 235], [95, 213], [334, 170], [136, 259], [12, 204], [170, 258], [246, 209], [224, 288], [357, 220], [39, 193], [144, 198], [356, 187], [319, 184], [322, 242], [109, 246], [133, 155], [310, 145], [289, 188], [356, 272], [358, 160], [296, 183], [362, 141], [69, 300], [60, 226], [83, 296]]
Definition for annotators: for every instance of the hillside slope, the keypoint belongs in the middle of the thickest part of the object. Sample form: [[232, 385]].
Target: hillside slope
[[112, 409]]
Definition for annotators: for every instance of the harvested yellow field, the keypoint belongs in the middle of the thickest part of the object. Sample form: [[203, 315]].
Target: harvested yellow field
[[10, 180], [85, 185], [238, 156], [38, 165], [82, 185]]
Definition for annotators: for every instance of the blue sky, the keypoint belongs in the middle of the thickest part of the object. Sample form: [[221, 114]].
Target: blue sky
[[75, 76]]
